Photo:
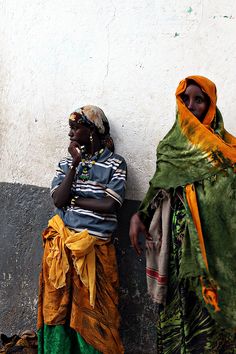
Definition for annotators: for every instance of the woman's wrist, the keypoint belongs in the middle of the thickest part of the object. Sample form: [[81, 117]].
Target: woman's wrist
[[136, 217], [143, 219], [72, 167]]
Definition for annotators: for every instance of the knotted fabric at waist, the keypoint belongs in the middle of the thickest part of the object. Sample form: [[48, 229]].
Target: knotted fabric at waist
[[82, 249]]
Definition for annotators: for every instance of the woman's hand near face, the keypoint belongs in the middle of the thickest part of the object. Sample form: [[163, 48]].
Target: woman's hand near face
[[74, 150], [62, 195], [137, 227]]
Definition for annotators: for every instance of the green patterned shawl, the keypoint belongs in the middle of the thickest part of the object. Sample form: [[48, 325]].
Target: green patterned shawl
[[203, 154]]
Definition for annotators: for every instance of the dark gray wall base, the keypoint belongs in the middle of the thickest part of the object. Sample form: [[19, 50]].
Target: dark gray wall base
[[25, 211]]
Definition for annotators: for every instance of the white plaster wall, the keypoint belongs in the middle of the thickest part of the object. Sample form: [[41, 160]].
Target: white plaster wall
[[125, 56]]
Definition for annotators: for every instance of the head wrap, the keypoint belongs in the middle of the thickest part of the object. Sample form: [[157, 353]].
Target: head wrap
[[209, 136], [192, 150], [208, 87], [94, 117]]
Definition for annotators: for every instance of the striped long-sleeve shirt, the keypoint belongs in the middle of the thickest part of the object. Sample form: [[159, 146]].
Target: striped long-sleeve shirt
[[107, 177]]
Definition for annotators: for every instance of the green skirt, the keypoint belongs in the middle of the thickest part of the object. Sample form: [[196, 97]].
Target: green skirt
[[61, 339], [184, 325]]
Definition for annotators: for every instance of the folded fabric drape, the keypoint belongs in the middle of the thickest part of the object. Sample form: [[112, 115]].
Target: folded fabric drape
[[81, 245], [79, 287], [157, 250]]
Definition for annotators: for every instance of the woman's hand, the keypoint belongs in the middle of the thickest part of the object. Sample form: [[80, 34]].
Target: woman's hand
[[137, 227], [74, 150], [62, 195]]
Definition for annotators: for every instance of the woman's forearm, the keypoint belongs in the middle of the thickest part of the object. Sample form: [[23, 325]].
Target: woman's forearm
[[104, 205], [62, 194]]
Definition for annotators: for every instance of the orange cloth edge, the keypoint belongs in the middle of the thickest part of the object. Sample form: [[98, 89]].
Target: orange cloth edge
[[192, 203], [209, 293]]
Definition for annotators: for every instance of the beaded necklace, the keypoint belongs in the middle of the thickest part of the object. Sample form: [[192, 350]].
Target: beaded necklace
[[87, 162]]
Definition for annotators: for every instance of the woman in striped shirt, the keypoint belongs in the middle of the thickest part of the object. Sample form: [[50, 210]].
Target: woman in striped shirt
[[78, 284]]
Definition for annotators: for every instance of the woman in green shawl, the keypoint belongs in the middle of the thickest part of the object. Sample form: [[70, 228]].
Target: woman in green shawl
[[188, 218]]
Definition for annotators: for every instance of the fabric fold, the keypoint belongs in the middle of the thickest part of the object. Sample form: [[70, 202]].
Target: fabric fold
[[70, 304], [157, 250], [81, 246]]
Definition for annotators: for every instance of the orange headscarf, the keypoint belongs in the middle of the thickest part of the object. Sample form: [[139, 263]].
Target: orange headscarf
[[202, 134]]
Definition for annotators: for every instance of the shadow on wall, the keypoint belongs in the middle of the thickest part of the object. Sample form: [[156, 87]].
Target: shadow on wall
[[25, 211]]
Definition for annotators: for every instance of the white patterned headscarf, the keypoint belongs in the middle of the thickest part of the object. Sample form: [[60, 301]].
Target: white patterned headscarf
[[94, 116]]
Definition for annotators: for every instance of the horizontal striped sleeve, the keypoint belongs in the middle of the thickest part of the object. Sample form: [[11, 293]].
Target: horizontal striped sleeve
[[117, 185], [61, 171], [103, 216], [89, 187]]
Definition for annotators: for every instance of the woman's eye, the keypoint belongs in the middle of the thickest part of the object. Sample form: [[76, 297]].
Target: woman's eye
[[74, 126], [199, 100], [185, 98]]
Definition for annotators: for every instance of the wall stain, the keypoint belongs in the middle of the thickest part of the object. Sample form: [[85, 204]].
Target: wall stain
[[190, 10], [229, 17]]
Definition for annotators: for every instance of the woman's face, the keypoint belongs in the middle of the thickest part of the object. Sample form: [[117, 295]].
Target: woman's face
[[79, 133], [196, 101]]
